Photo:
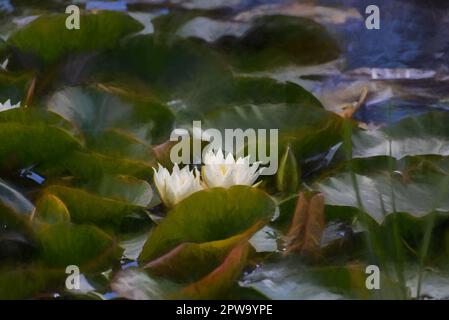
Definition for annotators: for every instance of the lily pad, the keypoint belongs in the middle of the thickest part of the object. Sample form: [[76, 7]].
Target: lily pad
[[291, 279], [190, 261], [124, 188], [422, 135], [92, 165], [25, 282], [51, 209], [217, 214], [218, 283], [307, 129], [29, 144], [276, 41], [87, 247], [94, 111], [86, 207], [381, 195], [48, 38]]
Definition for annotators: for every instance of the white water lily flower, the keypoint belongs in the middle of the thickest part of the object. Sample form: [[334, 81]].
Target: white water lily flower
[[7, 106], [219, 171], [178, 185]]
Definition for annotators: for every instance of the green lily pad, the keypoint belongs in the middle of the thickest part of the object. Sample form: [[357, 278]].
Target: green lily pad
[[26, 282], [275, 41], [190, 261], [219, 283], [243, 91], [51, 209], [381, 195], [25, 145], [420, 135], [307, 129], [33, 116], [87, 247], [91, 165], [121, 144], [216, 214], [85, 207], [124, 188], [48, 38], [290, 278], [94, 112]]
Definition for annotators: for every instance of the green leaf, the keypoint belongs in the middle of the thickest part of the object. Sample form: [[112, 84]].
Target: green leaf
[[307, 129], [190, 261], [289, 278], [124, 188], [87, 247], [121, 144], [135, 121], [85, 207], [209, 215], [420, 135], [382, 195], [288, 174], [24, 145], [48, 38], [26, 282], [90, 165], [34, 116], [51, 209], [276, 41], [218, 283]]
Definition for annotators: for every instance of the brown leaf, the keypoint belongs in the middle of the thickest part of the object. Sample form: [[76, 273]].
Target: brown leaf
[[307, 226], [191, 261], [218, 283]]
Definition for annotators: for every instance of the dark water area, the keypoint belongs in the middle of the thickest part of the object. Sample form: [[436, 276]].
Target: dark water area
[[412, 45], [413, 33]]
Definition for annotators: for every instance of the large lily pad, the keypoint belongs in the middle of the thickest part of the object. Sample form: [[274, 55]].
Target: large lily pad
[[381, 195], [307, 129], [124, 188], [94, 111], [92, 165], [85, 207], [29, 144], [48, 38], [422, 135], [291, 279], [178, 263], [87, 247], [216, 214], [276, 41], [218, 283], [25, 282]]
